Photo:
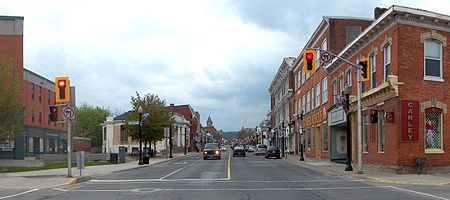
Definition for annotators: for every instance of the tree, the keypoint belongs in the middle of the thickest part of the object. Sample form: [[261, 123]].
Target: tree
[[158, 118], [88, 123], [11, 108]]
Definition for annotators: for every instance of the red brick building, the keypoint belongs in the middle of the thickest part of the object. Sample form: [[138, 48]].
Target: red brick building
[[314, 94], [407, 91], [193, 118], [37, 93]]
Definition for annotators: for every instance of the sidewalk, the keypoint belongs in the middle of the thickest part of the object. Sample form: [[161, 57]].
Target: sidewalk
[[58, 177], [370, 174]]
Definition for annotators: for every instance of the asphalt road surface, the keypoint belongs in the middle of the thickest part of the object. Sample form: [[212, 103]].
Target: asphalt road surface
[[251, 177]]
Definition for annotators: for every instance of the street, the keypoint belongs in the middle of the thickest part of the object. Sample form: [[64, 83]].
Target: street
[[251, 177]]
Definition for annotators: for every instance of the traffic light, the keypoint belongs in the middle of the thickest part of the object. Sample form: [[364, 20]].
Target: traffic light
[[62, 89], [365, 68], [373, 116], [309, 61], [53, 116]]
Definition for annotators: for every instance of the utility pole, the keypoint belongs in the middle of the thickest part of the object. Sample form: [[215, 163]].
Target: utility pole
[[69, 148], [170, 142], [359, 123]]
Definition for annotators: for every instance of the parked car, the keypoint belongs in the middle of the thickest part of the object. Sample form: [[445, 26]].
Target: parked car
[[251, 149], [211, 150], [272, 152], [239, 151], [260, 149]]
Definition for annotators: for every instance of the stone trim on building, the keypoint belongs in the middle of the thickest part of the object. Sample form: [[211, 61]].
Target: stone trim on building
[[433, 35]]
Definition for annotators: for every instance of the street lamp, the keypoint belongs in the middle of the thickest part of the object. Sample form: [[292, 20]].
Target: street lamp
[[140, 111], [302, 137], [170, 142], [185, 141], [347, 91]]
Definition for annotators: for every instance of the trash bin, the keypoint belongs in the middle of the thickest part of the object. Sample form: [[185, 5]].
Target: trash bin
[[113, 158], [146, 160]]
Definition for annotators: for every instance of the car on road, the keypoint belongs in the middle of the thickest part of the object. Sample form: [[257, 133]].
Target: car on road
[[223, 148], [211, 150], [239, 151], [251, 149], [272, 151], [260, 149]]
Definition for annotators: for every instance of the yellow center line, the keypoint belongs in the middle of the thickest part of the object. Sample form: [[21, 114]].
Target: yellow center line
[[229, 171]]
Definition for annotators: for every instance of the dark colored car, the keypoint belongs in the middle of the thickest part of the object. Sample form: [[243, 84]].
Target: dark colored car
[[239, 151], [211, 150], [272, 152]]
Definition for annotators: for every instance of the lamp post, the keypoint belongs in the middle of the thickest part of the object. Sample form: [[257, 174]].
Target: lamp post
[[347, 92], [170, 142], [185, 141], [283, 133], [301, 137], [140, 111]]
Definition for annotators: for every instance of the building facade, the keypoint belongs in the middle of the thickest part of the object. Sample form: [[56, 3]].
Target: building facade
[[39, 136]]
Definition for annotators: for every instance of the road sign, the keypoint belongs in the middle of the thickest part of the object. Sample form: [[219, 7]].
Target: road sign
[[69, 113], [133, 122], [325, 56]]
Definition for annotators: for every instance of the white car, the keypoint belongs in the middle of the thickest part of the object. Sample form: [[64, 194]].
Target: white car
[[223, 148], [260, 149]]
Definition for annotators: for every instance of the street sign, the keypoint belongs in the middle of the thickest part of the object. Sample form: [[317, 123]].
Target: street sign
[[133, 122], [69, 113], [325, 56]]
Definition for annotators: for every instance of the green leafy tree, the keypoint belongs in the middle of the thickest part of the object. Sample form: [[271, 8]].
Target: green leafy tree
[[11, 108], [88, 123], [158, 118]]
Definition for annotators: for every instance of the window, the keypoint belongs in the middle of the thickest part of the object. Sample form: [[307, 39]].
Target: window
[[433, 130], [303, 76], [308, 135], [299, 105], [366, 133], [373, 70], [351, 32], [48, 97], [341, 83], [380, 129], [123, 134], [349, 77], [32, 90], [40, 117], [324, 90], [32, 117], [387, 61], [433, 59], [308, 101], [104, 133], [312, 98], [318, 95], [324, 137], [334, 92], [303, 104], [307, 75], [317, 59], [40, 93]]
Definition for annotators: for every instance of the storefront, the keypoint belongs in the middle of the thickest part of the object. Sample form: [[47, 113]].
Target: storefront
[[338, 129]]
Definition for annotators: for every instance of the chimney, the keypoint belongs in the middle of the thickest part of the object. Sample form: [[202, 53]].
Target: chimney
[[378, 12]]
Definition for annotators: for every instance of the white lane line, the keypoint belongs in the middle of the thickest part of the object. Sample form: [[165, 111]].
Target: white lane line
[[416, 192], [176, 171], [18, 194], [121, 181], [65, 190]]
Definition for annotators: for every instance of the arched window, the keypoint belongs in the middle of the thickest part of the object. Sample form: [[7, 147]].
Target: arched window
[[433, 60], [433, 130]]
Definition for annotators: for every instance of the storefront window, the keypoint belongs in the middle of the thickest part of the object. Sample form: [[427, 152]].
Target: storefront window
[[433, 129]]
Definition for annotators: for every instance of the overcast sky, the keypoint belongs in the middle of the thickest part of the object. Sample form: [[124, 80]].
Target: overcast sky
[[219, 56]]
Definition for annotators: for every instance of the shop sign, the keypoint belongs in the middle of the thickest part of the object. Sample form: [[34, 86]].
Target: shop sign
[[410, 121], [316, 118], [337, 116], [389, 119]]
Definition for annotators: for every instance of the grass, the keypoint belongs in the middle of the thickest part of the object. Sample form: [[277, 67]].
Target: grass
[[49, 166]]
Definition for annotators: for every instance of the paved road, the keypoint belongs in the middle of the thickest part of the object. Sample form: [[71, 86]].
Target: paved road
[[251, 177]]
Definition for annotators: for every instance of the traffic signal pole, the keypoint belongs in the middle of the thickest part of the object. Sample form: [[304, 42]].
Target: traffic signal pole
[[359, 91], [69, 148]]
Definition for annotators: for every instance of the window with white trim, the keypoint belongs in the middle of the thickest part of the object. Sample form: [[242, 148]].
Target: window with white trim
[[303, 76], [373, 70], [312, 98], [303, 104], [433, 59], [341, 83], [324, 90], [317, 59], [318, 95], [387, 61], [334, 91], [308, 101], [433, 130], [349, 77]]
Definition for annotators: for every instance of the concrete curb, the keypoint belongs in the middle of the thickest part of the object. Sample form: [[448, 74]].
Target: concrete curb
[[381, 180]]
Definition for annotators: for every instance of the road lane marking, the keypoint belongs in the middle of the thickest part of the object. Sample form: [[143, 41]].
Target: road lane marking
[[18, 194], [416, 192], [121, 181], [229, 170], [218, 180], [176, 171]]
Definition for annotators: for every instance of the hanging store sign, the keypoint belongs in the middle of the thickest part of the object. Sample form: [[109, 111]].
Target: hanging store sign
[[410, 121]]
